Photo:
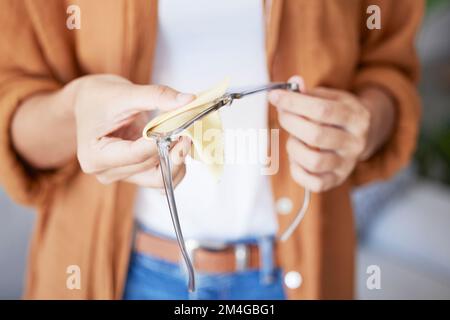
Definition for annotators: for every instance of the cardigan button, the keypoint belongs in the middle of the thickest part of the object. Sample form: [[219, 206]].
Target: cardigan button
[[293, 279], [284, 205]]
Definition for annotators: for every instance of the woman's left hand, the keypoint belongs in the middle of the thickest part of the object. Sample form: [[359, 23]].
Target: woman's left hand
[[329, 134]]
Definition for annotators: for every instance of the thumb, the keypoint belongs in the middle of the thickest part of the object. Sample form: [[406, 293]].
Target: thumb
[[156, 97]]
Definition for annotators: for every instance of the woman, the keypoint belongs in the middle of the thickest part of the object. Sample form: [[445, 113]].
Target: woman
[[73, 102]]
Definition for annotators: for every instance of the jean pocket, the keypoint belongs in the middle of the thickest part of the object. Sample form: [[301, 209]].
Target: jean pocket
[[152, 278]]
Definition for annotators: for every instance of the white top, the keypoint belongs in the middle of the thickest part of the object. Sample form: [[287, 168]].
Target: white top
[[198, 45]]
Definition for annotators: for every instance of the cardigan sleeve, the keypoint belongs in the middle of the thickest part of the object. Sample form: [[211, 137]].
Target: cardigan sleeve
[[23, 73], [388, 60]]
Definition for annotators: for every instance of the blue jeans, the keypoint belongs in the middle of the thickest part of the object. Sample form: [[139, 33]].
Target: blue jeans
[[150, 278]]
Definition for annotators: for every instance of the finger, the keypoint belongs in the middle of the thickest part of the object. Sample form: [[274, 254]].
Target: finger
[[109, 152], [321, 110], [138, 98], [316, 135], [176, 179], [153, 178], [177, 154], [177, 157], [179, 176], [352, 117], [121, 173], [313, 182], [132, 131], [180, 150], [314, 161]]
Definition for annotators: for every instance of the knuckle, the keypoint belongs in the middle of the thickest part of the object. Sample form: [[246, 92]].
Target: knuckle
[[162, 92], [139, 157], [282, 119], [346, 98], [325, 110], [346, 116], [86, 164], [316, 162], [152, 163], [354, 147], [296, 178], [364, 122], [157, 92], [285, 123], [360, 146], [103, 179], [293, 169], [177, 168], [158, 89], [366, 115], [333, 161], [290, 145], [295, 174], [180, 175], [316, 135], [86, 168], [342, 140]]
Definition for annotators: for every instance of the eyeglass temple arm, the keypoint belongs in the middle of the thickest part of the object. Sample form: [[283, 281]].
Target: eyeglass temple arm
[[166, 171]]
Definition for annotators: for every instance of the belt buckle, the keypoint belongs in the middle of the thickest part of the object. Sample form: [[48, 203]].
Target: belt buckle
[[241, 251]]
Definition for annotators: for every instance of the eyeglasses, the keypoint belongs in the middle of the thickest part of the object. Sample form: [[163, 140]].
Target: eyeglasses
[[163, 142]]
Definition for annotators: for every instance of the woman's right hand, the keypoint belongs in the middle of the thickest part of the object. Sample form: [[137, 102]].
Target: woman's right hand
[[110, 113]]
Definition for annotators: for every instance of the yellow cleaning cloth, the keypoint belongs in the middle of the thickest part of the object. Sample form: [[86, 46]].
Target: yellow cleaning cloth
[[206, 134]]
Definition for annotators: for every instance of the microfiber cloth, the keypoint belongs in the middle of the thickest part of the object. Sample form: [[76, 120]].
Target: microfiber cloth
[[206, 134]]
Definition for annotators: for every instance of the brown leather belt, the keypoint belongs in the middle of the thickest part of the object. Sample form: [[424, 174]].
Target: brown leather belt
[[206, 257]]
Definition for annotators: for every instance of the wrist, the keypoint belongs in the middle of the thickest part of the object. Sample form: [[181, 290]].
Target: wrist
[[381, 108], [65, 100], [50, 142]]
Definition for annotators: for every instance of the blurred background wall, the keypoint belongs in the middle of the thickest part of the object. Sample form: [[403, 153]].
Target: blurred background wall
[[403, 224]]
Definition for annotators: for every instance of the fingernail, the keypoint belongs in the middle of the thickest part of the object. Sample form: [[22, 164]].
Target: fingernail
[[295, 79], [299, 80], [274, 97], [183, 98]]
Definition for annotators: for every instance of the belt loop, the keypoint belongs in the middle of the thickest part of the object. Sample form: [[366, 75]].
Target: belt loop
[[266, 254], [134, 233], [242, 256]]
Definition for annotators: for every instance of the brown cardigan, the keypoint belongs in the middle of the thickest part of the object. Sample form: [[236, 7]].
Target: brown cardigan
[[85, 223]]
